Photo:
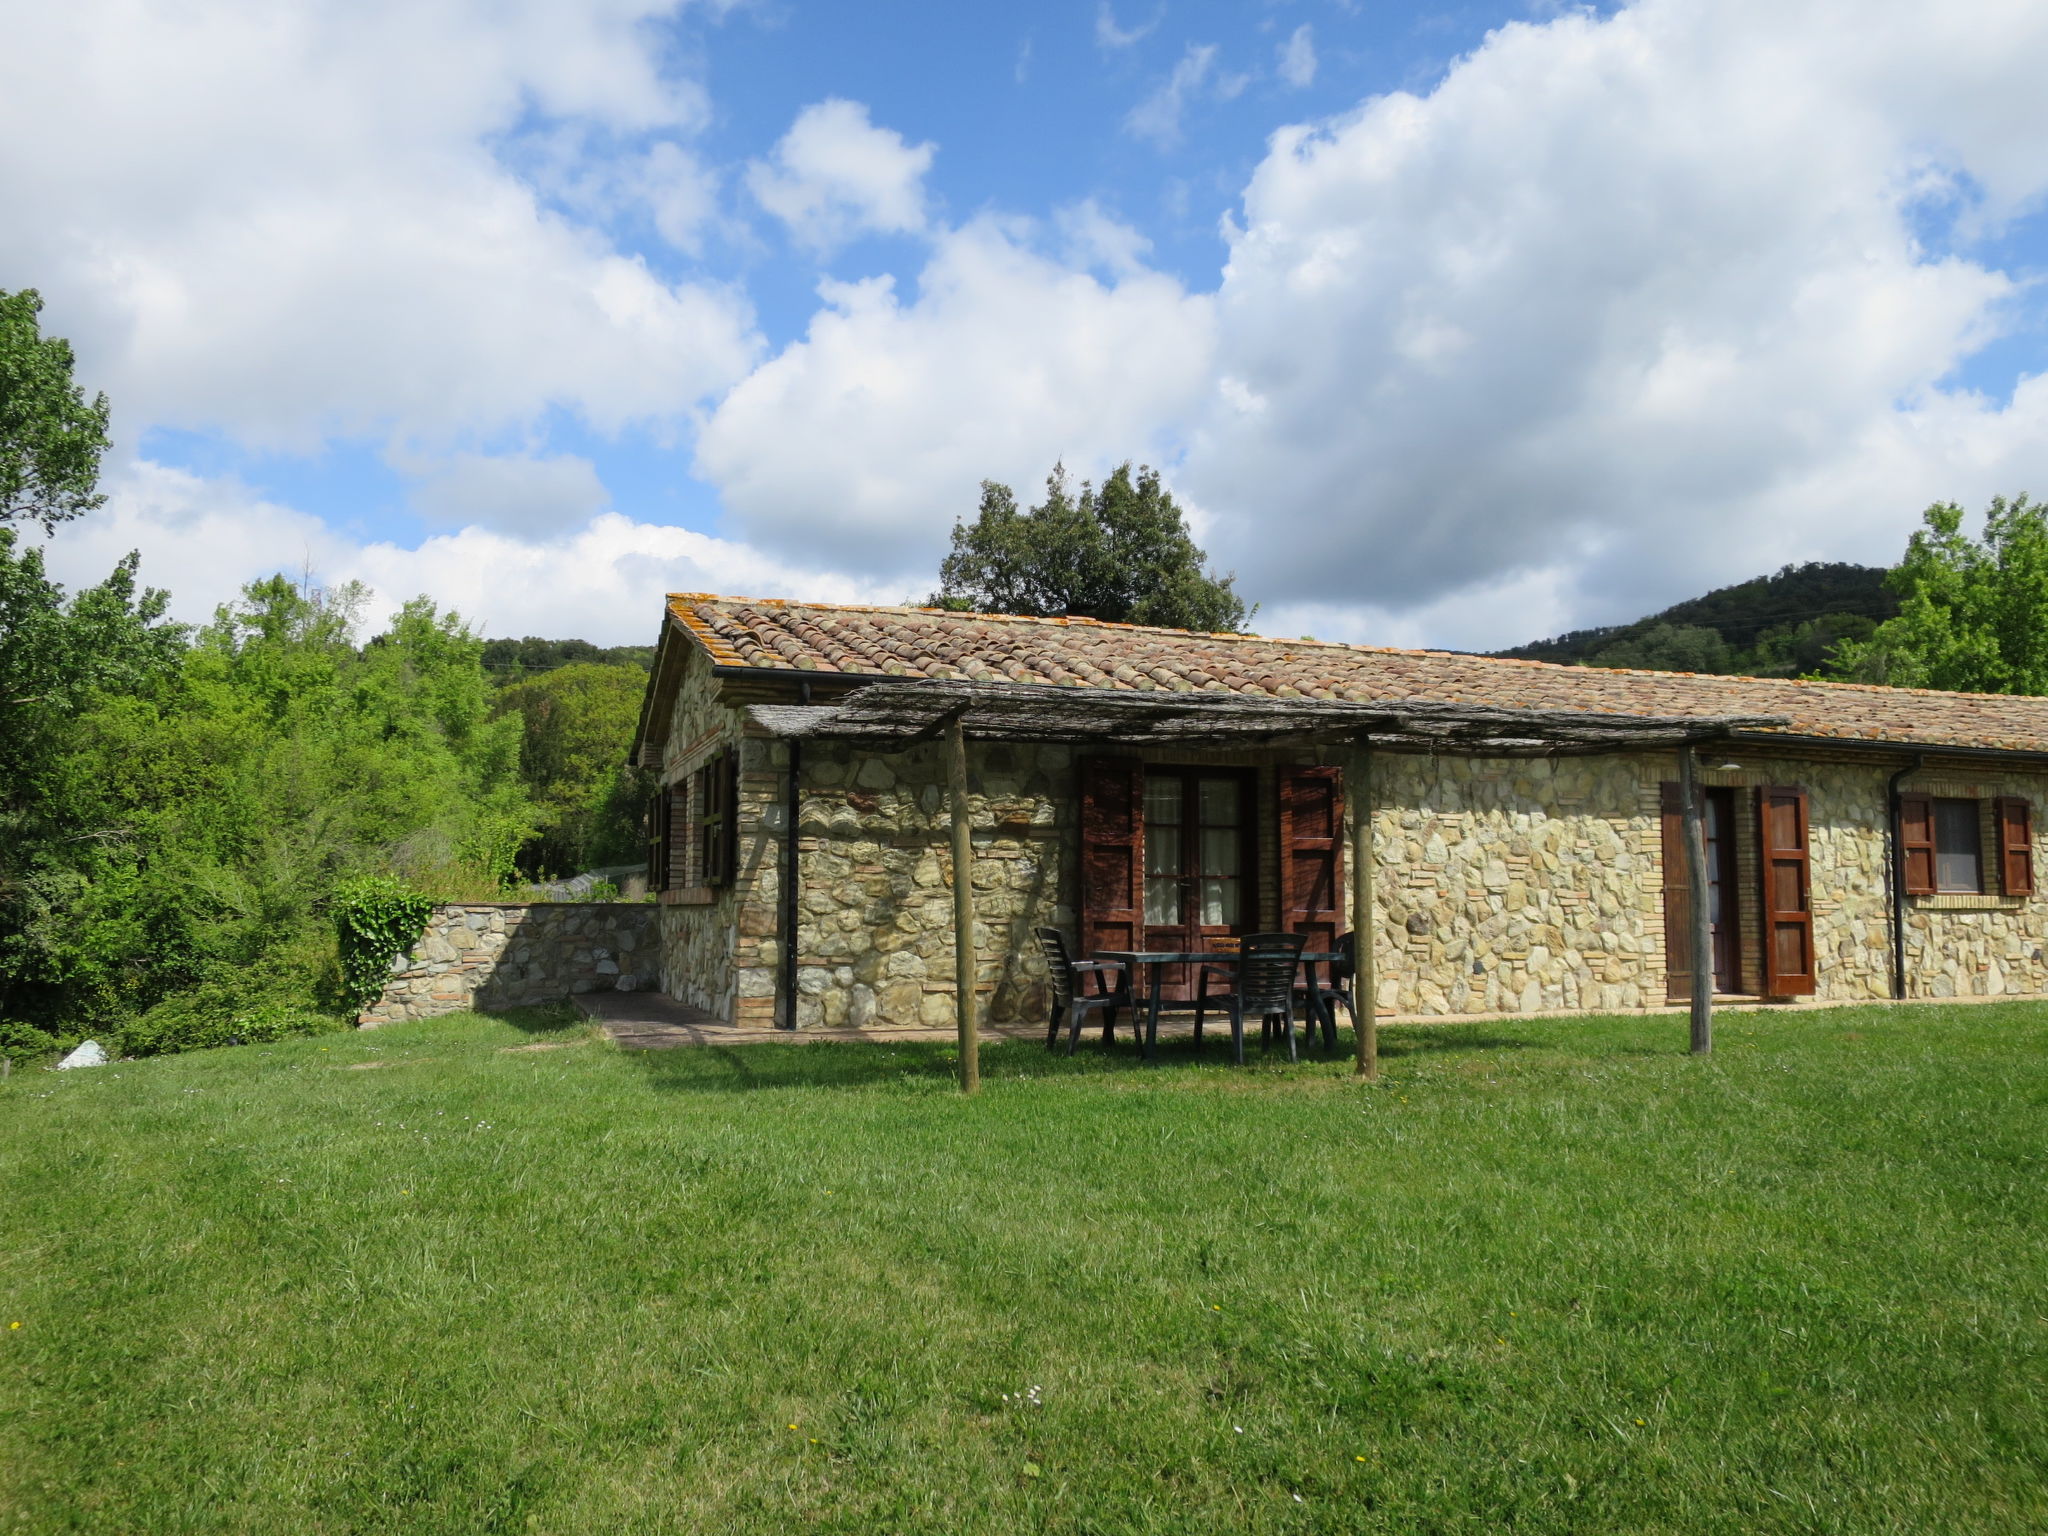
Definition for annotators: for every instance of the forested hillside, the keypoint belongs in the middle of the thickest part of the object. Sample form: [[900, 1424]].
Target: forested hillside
[[1784, 625]]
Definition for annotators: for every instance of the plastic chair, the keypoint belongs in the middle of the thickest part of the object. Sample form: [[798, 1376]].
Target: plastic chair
[[1071, 1002], [1264, 987]]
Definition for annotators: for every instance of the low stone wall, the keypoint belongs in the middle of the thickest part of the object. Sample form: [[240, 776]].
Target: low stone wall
[[503, 955]]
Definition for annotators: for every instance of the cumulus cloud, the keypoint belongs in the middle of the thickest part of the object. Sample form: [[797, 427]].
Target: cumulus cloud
[[836, 175], [602, 578], [280, 223], [1297, 64], [863, 441], [1622, 309]]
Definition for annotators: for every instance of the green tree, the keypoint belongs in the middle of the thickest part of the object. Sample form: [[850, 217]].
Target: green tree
[[59, 658], [1669, 648], [1122, 553], [51, 436], [1973, 613], [576, 722]]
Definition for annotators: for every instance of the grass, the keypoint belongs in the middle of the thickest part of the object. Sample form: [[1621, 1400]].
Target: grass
[[491, 1276]]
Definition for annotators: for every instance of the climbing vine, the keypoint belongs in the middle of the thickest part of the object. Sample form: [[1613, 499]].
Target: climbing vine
[[377, 918]]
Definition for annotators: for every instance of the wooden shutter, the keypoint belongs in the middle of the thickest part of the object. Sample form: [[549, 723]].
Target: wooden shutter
[[1788, 891], [717, 821], [2015, 818], [1677, 895], [675, 836], [657, 840], [1312, 853], [1916, 844], [1112, 854]]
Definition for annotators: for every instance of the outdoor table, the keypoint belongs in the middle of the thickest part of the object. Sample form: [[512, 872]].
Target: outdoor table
[[1155, 960]]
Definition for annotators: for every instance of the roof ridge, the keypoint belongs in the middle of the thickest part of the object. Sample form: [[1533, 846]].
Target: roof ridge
[[1351, 646]]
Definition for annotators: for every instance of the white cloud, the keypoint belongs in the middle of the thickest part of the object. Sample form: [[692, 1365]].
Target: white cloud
[[1112, 36], [862, 442], [1158, 116], [1297, 63], [600, 579], [282, 223], [1625, 308], [835, 175]]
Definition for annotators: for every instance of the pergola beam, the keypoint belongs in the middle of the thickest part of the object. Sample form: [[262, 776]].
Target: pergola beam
[[893, 715]]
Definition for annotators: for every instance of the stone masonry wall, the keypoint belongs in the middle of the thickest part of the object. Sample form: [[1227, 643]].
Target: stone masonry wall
[[488, 955], [718, 946], [1504, 885]]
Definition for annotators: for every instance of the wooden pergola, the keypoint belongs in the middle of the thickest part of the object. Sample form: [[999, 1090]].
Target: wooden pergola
[[891, 716]]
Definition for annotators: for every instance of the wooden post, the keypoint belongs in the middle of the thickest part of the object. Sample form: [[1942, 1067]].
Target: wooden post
[[963, 909], [1364, 974], [1694, 807]]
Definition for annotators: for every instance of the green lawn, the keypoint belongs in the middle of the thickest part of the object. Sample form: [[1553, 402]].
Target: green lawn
[[488, 1276]]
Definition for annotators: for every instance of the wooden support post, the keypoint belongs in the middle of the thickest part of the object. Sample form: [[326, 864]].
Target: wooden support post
[[1364, 927], [1694, 807], [963, 909]]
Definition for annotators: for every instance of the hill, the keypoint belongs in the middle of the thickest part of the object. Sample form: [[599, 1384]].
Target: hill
[[508, 661], [1771, 626]]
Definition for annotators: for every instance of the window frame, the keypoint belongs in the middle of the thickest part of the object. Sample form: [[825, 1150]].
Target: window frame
[[1945, 847]]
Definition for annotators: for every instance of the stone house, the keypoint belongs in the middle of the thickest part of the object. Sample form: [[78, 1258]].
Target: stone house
[[1150, 788]]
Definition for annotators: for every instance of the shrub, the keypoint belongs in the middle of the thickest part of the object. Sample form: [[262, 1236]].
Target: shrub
[[216, 1014]]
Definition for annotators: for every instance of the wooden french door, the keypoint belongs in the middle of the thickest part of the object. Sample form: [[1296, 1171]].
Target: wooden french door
[[1724, 907], [1200, 852]]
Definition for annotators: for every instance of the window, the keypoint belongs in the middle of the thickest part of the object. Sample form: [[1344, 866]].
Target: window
[[1958, 846], [693, 827]]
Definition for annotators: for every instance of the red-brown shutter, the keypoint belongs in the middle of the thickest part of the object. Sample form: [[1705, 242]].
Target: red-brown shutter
[[1788, 891], [1312, 853], [675, 836], [2015, 845], [1112, 854], [1677, 895], [1916, 843], [718, 818]]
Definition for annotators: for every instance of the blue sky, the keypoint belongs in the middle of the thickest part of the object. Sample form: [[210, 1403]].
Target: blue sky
[[1451, 324]]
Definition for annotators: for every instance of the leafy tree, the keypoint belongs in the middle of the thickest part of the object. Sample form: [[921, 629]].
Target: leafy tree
[[509, 661], [1668, 648], [51, 437], [575, 724], [1973, 613], [1122, 553]]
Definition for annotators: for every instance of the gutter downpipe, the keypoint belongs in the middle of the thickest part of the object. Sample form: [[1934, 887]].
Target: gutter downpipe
[[792, 872], [1898, 874]]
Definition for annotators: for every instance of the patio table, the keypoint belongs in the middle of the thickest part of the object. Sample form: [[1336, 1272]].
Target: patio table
[[1153, 961]]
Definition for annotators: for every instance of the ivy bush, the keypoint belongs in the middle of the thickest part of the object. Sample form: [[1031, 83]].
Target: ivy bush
[[377, 918]]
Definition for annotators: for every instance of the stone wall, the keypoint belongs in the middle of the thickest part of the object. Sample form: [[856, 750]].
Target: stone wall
[[490, 955], [1504, 885]]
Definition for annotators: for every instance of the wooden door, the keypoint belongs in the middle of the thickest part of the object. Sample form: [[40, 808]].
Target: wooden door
[[1200, 848], [1112, 854], [1724, 908], [1787, 891]]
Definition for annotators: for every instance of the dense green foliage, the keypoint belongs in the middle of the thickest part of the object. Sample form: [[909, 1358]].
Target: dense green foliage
[[51, 436], [576, 723], [1549, 1277], [377, 918], [1973, 613], [1785, 625], [508, 661], [1122, 553], [194, 798]]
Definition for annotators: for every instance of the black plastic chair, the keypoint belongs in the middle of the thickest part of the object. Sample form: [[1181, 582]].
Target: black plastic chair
[[1071, 1002], [1206, 990], [1322, 997], [1263, 987]]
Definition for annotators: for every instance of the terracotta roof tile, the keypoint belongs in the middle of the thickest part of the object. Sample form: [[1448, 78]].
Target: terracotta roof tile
[[930, 642]]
